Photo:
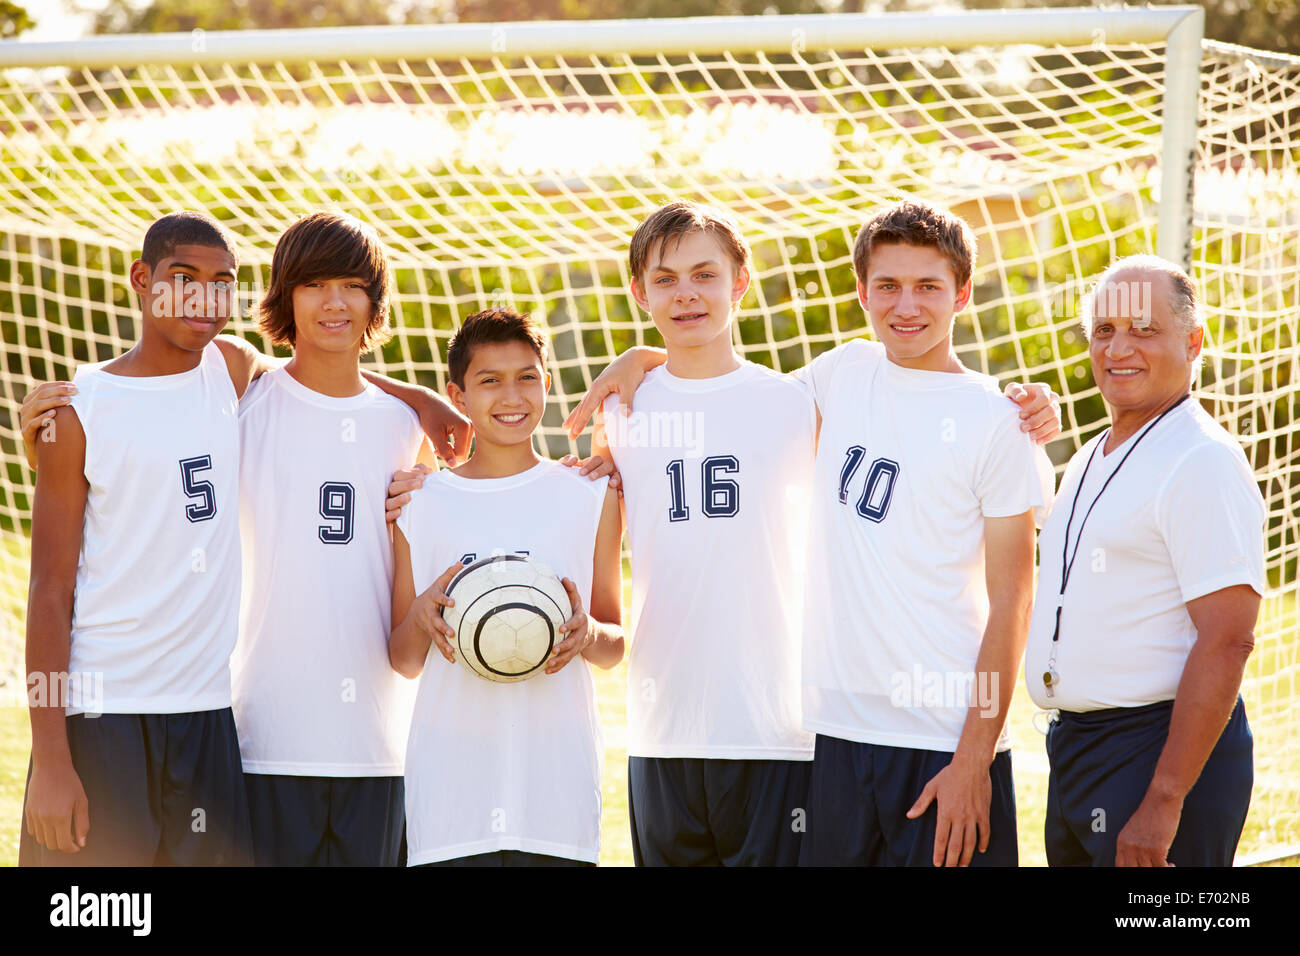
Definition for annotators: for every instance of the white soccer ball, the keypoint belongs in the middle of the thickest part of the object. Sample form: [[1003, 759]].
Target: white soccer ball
[[507, 616]]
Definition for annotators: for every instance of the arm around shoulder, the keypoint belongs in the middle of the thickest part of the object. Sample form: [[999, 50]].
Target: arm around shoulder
[[448, 430], [244, 362]]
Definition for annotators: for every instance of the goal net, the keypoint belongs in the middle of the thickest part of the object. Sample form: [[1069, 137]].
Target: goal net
[[509, 164]]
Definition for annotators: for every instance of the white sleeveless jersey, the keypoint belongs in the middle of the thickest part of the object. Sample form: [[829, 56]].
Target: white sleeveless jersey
[[504, 766], [314, 692], [1183, 518], [909, 464], [716, 476], [157, 595]]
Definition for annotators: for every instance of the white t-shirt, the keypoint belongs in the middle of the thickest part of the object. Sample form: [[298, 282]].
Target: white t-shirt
[[909, 465], [715, 480], [504, 766], [314, 693], [157, 591], [1182, 518]]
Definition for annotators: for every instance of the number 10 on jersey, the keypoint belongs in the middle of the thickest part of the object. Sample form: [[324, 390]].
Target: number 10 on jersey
[[877, 490], [719, 496]]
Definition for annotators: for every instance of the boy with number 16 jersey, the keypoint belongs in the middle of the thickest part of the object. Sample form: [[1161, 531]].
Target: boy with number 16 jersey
[[715, 464]]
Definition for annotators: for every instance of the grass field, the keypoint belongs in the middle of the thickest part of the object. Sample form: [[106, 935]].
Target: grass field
[[1272, 705]]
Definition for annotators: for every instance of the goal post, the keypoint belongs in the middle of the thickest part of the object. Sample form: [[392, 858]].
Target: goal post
[[1180, 28], [507, 164]]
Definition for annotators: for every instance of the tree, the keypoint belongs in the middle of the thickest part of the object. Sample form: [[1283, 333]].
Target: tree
[[14, 20], [182, 16]]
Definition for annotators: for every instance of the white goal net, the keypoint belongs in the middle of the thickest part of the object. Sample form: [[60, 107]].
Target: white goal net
[[509, 164]]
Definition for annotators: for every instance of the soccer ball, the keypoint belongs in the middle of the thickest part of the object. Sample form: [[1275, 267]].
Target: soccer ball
[[507, 616]]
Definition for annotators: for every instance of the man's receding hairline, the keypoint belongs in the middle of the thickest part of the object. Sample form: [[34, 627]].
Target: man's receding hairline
[[1131, 273]]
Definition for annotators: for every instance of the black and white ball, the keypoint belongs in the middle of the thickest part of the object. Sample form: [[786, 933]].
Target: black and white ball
[[507, 616]]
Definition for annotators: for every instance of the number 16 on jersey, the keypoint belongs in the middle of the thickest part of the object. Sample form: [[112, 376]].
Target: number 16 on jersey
[[719, 496]]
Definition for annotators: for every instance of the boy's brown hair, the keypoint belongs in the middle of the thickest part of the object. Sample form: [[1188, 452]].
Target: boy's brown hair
[[915, 223], [326, 245], [673, 222], [492, 327]]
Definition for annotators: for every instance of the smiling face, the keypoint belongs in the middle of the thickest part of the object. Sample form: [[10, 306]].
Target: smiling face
[[504, 395], [1142, 357], [911, 296], [188, 296], [331, 315], [690, 288]]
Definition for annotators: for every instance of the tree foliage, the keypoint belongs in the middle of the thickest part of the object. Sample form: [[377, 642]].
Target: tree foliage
[[1265, 24], [14, 20]]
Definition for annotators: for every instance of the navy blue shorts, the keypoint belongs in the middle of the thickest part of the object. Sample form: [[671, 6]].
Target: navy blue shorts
[[327, 821], [504, 858], [697, 812], [1101, 765], [161, 790], [860, 795]]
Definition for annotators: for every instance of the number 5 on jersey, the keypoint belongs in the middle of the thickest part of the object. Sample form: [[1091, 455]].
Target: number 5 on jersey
[[205, 506], [719, 497]]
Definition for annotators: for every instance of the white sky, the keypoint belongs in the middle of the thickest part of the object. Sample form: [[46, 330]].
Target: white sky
[[54, 21]]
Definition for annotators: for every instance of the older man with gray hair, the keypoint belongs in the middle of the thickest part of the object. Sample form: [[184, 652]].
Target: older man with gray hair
[[1151, 569]]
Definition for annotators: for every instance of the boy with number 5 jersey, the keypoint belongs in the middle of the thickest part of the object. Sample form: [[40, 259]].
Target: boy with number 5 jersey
[[135, 585]]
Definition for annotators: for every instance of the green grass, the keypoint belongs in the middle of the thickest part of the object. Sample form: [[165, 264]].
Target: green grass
[[15, 745], [1273, 705]]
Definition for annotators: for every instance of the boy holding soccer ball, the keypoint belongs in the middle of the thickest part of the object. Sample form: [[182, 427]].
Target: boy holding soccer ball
[[504, 774]]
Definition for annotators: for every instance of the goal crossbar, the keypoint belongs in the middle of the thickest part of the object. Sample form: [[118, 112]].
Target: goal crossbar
[[1180, 28], [668, 36]]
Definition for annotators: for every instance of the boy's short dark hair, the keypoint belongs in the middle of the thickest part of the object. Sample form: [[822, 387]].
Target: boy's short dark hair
[[492, 327], [326, 245], [915, 223], [184, 228], [675, 221]]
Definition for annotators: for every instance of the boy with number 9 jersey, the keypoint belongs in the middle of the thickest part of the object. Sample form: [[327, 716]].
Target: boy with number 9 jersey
[[322, 717]]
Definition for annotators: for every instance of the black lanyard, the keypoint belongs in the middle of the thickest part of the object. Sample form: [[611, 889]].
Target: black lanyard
[[1049, 678]]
